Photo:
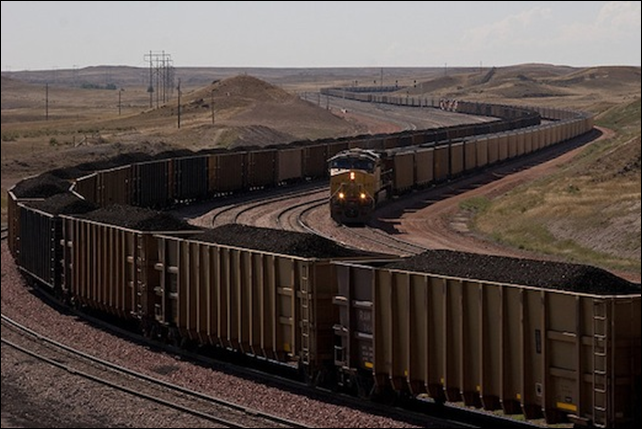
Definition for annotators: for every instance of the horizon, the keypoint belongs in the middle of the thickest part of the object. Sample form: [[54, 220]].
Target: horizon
[[454, 67]]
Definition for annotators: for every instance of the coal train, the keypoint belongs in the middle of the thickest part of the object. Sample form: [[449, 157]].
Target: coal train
[[528, 337], [362, 177]]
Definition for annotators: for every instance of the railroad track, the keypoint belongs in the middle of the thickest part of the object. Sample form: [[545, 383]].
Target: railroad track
[[283, 213], [406, 118], [134, 383], [422, 413], [236, 208], [384, 240], [291, 217]]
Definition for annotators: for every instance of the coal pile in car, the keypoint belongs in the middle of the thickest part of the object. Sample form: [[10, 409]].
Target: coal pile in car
[[277, 241], [63, 204], [137, 218], [43, 186], [526, 272], [68, 173]]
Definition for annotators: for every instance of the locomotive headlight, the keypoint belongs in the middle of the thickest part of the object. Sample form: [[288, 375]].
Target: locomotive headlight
[[362, 196], [352, 175], [341, 195]]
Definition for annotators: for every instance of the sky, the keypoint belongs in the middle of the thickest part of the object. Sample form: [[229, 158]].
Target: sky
[[64, 35]]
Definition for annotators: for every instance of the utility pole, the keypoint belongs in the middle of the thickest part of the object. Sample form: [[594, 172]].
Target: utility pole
[[212, 104], [150, 88], [179, 102], [46, 101], [120, 92]]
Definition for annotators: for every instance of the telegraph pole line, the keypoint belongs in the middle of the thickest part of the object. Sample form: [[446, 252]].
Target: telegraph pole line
[[212, 104], [179, 103], [150, 87], [47, 101]]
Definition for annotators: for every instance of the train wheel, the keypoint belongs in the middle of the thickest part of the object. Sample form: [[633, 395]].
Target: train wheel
[[326, 378], [385, 395]]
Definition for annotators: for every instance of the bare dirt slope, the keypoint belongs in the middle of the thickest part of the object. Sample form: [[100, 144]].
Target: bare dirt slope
[[581, 208], [84, 125]]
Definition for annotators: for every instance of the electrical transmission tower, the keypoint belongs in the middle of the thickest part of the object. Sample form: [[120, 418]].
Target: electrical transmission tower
[[161, 77]]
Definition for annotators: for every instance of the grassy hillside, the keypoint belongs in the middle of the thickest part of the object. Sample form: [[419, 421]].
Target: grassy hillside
[[589, 211]]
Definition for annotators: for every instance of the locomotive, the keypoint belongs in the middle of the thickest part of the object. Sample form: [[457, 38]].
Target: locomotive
[[358, 182]]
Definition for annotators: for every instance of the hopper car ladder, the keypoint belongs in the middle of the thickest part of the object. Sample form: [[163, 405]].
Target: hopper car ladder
[[601, 362], [305, 317]]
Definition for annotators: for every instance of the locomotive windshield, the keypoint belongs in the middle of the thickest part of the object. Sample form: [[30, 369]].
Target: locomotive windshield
[[353, 164]]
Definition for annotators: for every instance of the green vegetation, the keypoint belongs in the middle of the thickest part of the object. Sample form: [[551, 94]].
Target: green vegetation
[[476, 205], [621, 117], [587, 212], [10, 136]]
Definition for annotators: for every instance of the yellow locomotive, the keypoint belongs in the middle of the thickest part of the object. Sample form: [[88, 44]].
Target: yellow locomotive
[[357, 184]]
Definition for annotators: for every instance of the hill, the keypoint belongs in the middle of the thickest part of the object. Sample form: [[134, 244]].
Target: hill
[[45, 127], [589, 211], [593, 88], [249, 111]]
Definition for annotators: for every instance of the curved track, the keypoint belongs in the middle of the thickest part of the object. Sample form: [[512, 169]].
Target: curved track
[[134, 383], [397, 117]]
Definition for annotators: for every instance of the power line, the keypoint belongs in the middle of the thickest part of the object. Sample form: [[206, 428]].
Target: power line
[[161, 77]]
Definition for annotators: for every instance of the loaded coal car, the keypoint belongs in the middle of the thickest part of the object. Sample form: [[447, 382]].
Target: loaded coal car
[[34, 226], [40, 235], [190, 179], [151, 184], [537, 338], [108, 258], [261, 292]]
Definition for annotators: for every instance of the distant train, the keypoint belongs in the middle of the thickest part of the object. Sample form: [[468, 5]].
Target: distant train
[[540, 339], [363, 176]]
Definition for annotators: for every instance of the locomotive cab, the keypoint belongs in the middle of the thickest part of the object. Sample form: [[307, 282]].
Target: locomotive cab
[[355, 183]]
